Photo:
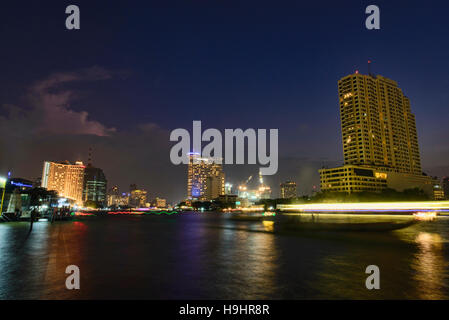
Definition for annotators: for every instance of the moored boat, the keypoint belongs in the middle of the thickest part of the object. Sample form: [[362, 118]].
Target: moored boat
[[298, 223]]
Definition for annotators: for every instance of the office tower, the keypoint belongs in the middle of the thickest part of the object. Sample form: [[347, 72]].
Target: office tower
[[95, 183], [380, 143], [138, 198], [205, 178], [228, 188], [445, 185], [64, 178], [438, 191], [113, 197], [288, 190], [159, 202], [378, 127], [123, 200], [214, 186]]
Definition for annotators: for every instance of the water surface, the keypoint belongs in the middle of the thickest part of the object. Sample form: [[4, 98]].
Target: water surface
[[204, 256]]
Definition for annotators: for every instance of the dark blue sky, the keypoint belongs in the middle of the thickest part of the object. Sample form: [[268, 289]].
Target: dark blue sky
[[248, 64]]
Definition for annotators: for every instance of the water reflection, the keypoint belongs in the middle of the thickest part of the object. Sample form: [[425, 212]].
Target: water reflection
[[23, 260], [208, 257], [268, 226], [430, 266], [259, 259]]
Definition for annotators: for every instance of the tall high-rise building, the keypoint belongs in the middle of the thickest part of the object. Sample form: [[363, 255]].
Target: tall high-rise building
[[95, 185], [159, 202], [445, 185], [228, 188], [138, 198], [380, 143], [378, 127], [113, 197], [288, 190], [205, 178], [65, 178], [123, 200]]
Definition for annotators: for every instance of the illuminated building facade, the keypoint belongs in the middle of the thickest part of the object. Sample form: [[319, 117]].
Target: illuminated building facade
[[377, 125], [228, 188], [352, 178], [138, 198], [15, 196], [445, 185], [159, 202], [124, 199], [113, 197], [95, 184], [205, 178], [64, 178], [380, 143], [438, 192], [288, 190]]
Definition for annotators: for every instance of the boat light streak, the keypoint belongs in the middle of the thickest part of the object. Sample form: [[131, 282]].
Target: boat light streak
[[412, 206], [425, 216]]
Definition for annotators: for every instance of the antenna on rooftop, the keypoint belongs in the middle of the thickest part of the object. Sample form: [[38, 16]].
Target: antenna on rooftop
[[89, 161], [369, 68]]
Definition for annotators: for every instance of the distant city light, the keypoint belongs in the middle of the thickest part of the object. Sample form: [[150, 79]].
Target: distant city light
[[2, 182], [19, 184]]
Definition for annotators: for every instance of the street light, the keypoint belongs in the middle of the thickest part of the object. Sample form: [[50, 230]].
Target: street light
[[2, 185]]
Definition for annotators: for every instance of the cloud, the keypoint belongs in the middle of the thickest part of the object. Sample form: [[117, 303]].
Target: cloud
[[149, 127], [89, 74], [47, 109], [45, 127]]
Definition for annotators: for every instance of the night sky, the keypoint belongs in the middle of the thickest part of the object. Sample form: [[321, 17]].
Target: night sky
[[138, 69]]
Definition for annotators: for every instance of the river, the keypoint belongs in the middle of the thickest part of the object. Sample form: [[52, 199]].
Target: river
[[203, 256]]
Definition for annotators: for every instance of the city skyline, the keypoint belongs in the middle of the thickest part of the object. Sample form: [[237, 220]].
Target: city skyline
[[312, 188], [249, 74], [224, 159]]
